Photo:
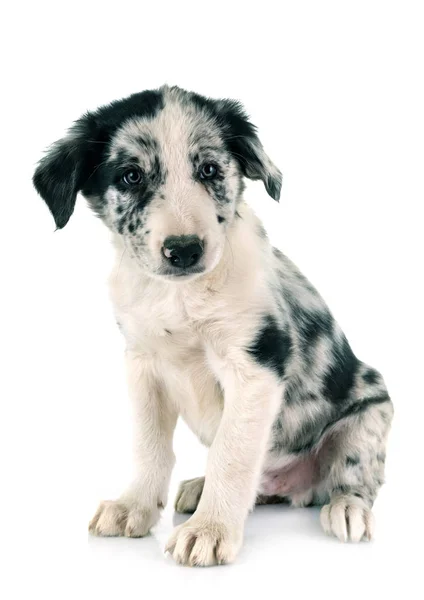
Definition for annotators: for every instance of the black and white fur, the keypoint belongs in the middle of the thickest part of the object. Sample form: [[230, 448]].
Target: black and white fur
[[239, 344]]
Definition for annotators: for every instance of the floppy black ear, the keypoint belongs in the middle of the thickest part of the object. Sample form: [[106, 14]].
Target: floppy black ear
[[243, 142], [62, 173]]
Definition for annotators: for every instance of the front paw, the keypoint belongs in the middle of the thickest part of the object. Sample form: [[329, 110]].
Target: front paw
[[201, 542], [348, 518], [123, 518]]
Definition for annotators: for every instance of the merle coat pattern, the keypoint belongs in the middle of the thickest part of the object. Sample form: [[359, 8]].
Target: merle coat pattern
[[221, 328]]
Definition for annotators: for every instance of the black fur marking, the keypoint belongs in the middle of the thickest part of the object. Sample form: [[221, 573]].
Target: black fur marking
[[307, 435], [243, 143], [72, 163], [352, 461], [272, 347], [371, 376], [145, 104], [304, 448], [147, 144], [340, 376], [310, 433], [342, 490], [220, 219], [311, 325], [359, 407], [240, 139]]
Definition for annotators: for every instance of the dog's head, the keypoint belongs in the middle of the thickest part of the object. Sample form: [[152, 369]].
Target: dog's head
[[163, 169]]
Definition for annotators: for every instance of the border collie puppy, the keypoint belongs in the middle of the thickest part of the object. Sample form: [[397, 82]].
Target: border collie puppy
[[220, 328]]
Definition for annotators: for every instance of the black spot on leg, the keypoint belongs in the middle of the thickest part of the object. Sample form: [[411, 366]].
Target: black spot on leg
[[272, 346], [131, 228], [220, 219], [352, 461]]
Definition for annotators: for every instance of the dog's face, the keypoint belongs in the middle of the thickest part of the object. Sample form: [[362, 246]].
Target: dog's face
[[163, 169]]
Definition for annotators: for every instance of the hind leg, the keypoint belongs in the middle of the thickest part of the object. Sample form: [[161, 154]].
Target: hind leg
[[354, 467], [189, 494]]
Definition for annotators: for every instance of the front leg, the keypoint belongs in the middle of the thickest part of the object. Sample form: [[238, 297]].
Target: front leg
[[138, 509], [213, 535]]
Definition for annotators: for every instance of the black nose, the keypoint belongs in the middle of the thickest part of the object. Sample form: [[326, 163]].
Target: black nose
[[183, 251]]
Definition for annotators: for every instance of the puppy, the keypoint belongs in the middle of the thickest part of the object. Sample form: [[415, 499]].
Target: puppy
[[220, 328]]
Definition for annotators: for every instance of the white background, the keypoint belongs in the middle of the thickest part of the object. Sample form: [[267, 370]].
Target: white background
[[337, 92]]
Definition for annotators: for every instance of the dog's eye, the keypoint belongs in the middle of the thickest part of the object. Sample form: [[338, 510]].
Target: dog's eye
[[132, 177], [208, 171]]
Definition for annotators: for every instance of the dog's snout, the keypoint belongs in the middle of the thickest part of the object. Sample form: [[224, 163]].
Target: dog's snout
[[183, 251]]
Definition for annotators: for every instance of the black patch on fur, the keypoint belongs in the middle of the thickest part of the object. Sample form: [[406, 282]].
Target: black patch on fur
[[220, 219], [304, 448], [361, 406], [311, 324], [339, 379], [352, 461], [272, 347], [72, 163], [371, 376], [240, 139]]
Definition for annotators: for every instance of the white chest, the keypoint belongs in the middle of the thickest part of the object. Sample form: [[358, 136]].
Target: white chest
[[158, 327]]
